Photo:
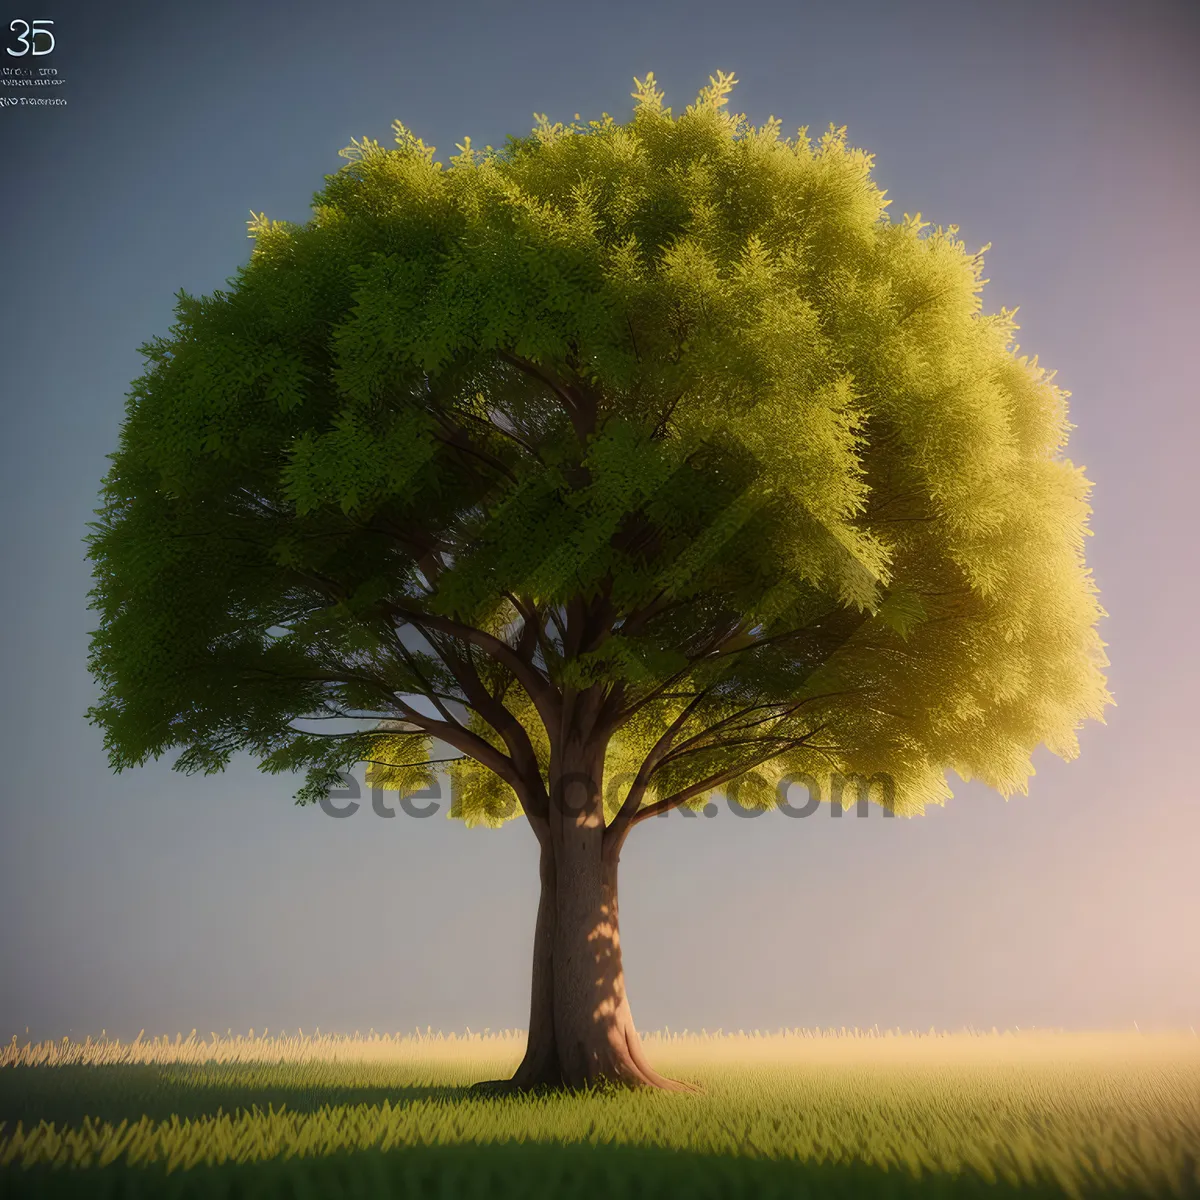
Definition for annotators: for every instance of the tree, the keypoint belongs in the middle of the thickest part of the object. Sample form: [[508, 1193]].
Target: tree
[[630, 463]]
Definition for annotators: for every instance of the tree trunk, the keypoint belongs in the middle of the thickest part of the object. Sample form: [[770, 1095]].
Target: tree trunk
[[593, 1025], [540, 1066], [581, 1030]]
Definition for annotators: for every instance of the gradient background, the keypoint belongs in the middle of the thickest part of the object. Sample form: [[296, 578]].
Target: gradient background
[[1065, 134]]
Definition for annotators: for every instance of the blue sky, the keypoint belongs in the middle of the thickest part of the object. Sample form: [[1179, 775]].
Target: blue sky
[[1065, 134]]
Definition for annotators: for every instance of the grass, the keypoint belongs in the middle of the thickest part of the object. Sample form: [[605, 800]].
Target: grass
[[792, 1114]]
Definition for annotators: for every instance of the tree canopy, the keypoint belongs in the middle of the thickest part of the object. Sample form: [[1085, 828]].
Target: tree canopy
[[666, 422]]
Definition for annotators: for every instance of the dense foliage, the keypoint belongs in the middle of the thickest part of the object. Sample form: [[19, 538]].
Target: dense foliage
[[668, 414]]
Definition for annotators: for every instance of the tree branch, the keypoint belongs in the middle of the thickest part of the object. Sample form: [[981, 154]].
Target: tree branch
[[536, 372], [695, 789], [540, 690], [614, 835], [508, 433], [450, 732], [493, 710], [457, 439]]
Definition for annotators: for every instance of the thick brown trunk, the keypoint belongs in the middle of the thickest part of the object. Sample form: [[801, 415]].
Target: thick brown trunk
[[540, 1066], [581, 1030], [593, 1025]]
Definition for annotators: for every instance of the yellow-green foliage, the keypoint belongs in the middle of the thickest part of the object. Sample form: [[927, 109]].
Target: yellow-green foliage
[[832, 452], [1072, 1111]]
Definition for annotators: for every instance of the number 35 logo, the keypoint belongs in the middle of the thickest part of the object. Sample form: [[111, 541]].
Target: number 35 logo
[[28, 37]]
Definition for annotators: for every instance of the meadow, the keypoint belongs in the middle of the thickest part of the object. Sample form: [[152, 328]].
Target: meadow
[[798, 1113]]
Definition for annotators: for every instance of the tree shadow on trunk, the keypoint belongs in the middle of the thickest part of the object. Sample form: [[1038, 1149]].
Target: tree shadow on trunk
[[581, 1030]]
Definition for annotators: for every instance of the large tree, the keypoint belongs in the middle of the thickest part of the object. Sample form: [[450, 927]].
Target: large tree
[[625, 465]]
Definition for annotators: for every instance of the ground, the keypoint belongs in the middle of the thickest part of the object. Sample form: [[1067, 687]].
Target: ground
[[806, 1113]]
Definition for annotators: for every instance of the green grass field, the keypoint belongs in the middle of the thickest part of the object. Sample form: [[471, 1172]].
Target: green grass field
[[795, 1114]]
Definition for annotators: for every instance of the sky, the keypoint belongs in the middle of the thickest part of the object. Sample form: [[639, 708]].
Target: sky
[[1065, 134]]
